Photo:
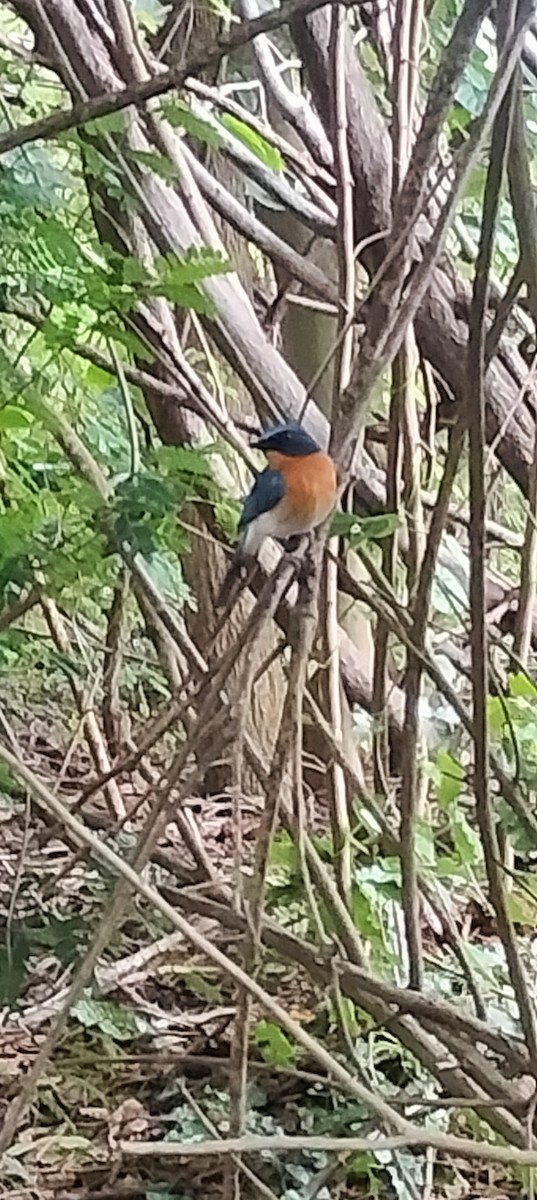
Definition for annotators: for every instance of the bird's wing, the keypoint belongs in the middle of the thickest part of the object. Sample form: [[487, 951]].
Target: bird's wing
[[268, 490]]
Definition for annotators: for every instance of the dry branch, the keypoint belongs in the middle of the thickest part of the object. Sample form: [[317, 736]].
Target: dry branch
[[282, 1144]]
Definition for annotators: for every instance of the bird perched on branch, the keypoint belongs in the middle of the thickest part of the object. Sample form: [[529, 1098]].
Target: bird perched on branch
[[293, 495]]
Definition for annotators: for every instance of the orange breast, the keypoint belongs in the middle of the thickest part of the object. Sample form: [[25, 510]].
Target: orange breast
[[310, 485]]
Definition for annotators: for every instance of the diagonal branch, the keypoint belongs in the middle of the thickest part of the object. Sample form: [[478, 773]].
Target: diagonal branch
[[102, 106]]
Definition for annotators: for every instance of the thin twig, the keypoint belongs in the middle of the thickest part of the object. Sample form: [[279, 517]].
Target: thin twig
[[92, 731]]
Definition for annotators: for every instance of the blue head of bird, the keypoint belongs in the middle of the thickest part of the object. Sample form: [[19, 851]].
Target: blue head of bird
[[290, 440]]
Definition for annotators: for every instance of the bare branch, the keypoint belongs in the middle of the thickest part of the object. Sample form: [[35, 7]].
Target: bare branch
[[280, 1143], [140, 93]]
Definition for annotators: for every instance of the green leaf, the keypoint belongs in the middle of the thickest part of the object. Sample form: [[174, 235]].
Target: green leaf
[[134, 271], [181, 116], [14, 417], [452, 776], [63, 937], [111, 123], [178, 278], [183, 461], [520, 685], [364, 1167], [150, 13], [158, 163], [112, 1019], [283, 856], [521, 908], [365, 917], [223, 8], [203, 988], [186, 296], [197, 264], [226, 515], [466, 841], [274, 1045], [97, 377], [165, 1195], [255, 142], [425, 843], [447, 866], [495, 714]]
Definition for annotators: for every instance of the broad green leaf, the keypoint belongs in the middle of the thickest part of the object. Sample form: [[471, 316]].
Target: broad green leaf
[[223, 8], [186, 296], [150, 14], [274, 1045], [14, 417], [133, 271], [226, 515], [96, 377], [447, 866], [364, 1167], [452, 776], [183, 461], [521, 908], [521, 685], [255, 141], [365, 917], [178, 279], [163, 1194]]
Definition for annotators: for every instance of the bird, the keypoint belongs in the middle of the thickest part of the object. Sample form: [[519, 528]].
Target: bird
[[293, 495]]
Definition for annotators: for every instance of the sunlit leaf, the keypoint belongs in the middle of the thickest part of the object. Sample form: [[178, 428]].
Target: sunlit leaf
[[522, 685], [274, 1045], [255, 142], [14, 417]]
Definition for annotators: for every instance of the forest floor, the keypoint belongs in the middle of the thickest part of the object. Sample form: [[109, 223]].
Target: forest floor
[[144, 1052]]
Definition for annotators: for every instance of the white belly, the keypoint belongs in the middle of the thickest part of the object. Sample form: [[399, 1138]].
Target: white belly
[[274, 524]]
